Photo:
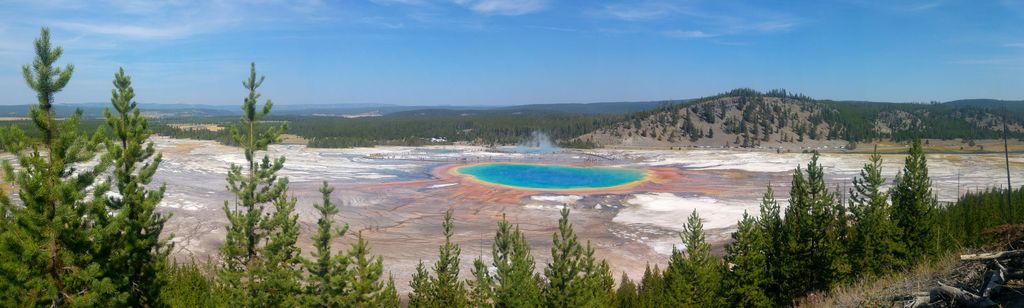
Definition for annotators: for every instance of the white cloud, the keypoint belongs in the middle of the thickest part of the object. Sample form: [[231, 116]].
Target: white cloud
[[504, 7], [1014, 45], [132, 31], [10, 43], [643, 11], [400, 2], [176, 19], [688, 34], [907, 6], [144, 7], [926, 6], [715, 18], [774, 26], [990, 61]]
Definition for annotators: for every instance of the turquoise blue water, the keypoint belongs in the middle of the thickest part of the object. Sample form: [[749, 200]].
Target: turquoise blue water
[[552, 176]]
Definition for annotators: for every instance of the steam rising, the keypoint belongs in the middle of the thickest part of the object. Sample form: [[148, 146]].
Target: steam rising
[[539, 143]]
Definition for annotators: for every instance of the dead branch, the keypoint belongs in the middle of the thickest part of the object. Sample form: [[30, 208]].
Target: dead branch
[[992, 255]]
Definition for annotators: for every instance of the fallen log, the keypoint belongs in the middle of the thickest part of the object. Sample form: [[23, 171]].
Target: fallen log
[[956, 297], [995, 281], [992, 255], [952, 295]]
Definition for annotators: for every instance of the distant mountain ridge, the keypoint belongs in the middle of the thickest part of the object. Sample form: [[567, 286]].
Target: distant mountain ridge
[[95, 110], [595, 108], [163, 110], [995, 104]]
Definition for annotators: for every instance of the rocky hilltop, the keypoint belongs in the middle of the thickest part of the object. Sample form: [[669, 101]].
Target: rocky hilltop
[[750, 119]]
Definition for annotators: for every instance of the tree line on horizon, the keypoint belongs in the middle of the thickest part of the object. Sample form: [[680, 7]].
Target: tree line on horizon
[[85, 231], [851, 121], [488, 129]]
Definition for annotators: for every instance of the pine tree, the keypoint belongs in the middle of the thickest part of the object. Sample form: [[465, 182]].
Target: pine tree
[[598, 285], [47, 248], [796, 234], [770, 226], [388, 297], [748, 279], [449, 291], [515, 283], [837, 241], [258, 254], [365, 288], [626, 295], [281, 270], [350, 279], [574, 277], [568, 273], [188, 285], [138, 257], [875, 246], [328, 274], [651, 290], [422, 289], [443, 288], [480, 287], [562, 271], [693, 278], [914, 204], [814, 252]]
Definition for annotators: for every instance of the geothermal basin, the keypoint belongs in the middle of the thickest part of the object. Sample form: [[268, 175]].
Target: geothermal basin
[[396, 196], [552, 177]]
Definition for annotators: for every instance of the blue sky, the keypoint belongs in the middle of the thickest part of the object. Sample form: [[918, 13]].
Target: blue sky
[[426, 52]]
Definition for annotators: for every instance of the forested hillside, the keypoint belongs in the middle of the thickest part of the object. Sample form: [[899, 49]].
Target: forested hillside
[[747, 118]]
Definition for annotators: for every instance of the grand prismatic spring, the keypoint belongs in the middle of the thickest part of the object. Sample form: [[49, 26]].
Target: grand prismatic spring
[[552, 177]]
